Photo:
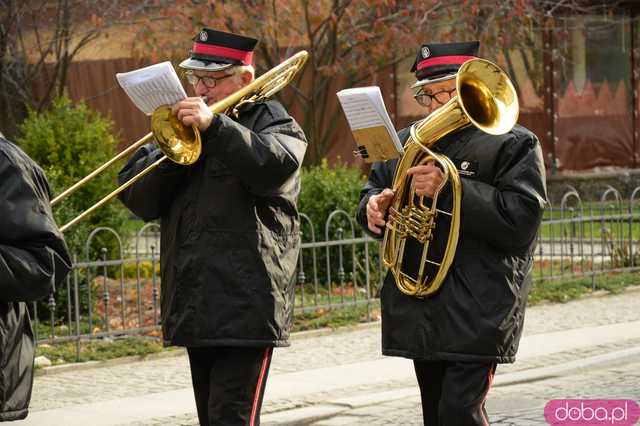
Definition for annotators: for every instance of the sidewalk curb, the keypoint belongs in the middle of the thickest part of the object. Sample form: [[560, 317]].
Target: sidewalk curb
[[307, 334], [169, 353], [90, 365], [331, 408]]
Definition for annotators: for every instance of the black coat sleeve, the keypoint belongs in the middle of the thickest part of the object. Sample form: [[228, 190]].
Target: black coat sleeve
[[151, 195], [264, 157], [508, 212], [33, 255], [380, 177]]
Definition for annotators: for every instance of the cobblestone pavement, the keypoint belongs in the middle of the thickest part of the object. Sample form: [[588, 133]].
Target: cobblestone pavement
[[171, 373], [514, 405]]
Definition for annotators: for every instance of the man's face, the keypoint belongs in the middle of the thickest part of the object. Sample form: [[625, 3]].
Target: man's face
[[433, 95], [217, 85]]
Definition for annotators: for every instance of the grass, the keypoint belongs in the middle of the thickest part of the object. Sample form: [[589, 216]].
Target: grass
[[561, 291], [43, 329], [99, 350], [585, 230], [595, 208], [334, 318]]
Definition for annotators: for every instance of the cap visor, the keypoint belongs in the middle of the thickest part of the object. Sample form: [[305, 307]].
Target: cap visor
[[432, 80], [196, 64]]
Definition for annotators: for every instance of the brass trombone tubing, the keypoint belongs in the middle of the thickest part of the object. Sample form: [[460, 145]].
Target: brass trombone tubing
[[112, 194], [100, 169]]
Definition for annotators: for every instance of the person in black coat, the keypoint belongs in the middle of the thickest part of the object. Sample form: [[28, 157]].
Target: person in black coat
[[33, 260], [229, 232], [456, 336]]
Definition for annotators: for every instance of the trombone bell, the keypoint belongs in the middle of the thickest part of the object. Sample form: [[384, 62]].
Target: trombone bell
[[180, 143]]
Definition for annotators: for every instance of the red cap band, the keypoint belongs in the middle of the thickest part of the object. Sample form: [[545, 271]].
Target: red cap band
[[226, 52], [444, 60]]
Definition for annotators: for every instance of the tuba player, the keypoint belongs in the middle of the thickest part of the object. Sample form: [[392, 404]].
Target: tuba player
[[456, 336]]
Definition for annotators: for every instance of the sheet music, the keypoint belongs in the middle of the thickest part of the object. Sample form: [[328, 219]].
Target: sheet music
[[359, 111], [152, 86], [367, 116]]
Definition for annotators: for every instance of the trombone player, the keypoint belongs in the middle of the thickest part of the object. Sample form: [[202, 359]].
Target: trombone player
[[458, 335], [229, 231]]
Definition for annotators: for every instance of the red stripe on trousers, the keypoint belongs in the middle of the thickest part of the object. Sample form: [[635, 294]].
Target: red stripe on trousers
[[256, 398], [490, 379]]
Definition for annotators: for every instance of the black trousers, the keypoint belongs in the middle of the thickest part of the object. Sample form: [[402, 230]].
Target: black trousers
[[229, 383], [454, 393]]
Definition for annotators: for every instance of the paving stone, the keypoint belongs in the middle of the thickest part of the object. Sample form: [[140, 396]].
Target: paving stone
[[342, 348]]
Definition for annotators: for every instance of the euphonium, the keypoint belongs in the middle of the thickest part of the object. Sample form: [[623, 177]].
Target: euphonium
[[485, 98]]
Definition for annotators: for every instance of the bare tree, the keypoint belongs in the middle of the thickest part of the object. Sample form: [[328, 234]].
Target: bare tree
[[38, 41], [349, 42], [514, 28]]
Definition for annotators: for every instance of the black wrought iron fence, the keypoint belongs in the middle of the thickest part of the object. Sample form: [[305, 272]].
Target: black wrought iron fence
[[588, 238], [108, 298]]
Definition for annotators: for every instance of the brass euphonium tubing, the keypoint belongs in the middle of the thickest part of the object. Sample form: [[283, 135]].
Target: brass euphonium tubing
[[486, 99], [182, 144]]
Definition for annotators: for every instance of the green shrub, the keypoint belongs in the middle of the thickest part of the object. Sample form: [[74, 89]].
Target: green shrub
[[69, 141], [324, 190], [144, 269]]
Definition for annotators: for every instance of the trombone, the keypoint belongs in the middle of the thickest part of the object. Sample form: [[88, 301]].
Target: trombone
[[182, 144]]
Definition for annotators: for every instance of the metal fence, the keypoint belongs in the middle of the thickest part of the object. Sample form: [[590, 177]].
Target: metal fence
[[108, 298], [587, 238]]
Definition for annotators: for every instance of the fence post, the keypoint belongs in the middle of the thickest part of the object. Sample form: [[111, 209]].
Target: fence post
[[153, 283], [301, 277], [105, 295], [341, 273], [76, 297], [52, 314]]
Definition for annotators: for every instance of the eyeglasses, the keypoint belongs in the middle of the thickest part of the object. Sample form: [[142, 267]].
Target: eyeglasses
[[441, 97], [209, 82]]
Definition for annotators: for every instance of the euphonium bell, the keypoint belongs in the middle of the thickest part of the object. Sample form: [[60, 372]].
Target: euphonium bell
[[485, 98]]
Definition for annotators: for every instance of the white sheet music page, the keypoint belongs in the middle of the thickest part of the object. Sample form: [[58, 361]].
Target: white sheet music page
[[152, 86], [370, 124]]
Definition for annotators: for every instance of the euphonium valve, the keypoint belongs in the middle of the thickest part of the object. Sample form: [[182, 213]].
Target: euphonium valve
[[486, 99]]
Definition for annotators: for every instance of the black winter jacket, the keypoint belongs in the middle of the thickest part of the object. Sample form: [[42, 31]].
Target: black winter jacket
[[229, 230], [478, 312], [33, 259]]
